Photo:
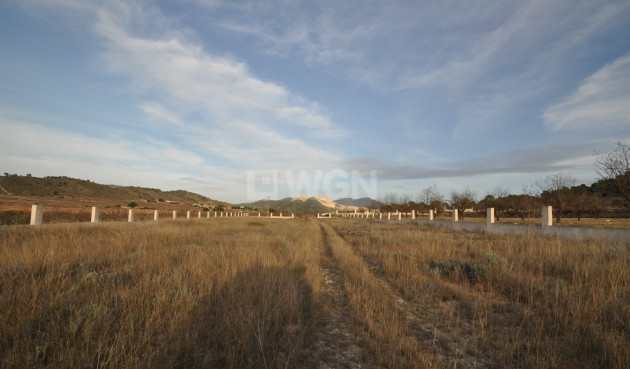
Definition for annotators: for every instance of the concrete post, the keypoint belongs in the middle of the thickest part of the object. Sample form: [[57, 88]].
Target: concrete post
[[95, 214], [259, 215], [215, 214], [389, 216], [131, 215], [280, 215], [188, 214], [174, 214], [399, 216], [547, 216], [199, 215], [156, 215], [413, 214], [490, 215], [455, 215], [208, 215], [292, 215], [380, 215], [430, 214], [36, 215]]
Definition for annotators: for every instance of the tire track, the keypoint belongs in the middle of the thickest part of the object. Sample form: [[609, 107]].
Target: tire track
[[336, 346], [450, 352]]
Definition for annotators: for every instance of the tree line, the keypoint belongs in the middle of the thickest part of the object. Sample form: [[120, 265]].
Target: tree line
[[560, 190]]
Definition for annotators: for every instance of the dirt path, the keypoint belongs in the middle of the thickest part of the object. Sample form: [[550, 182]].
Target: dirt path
[[336, 345], [5, 191], [453, 353]]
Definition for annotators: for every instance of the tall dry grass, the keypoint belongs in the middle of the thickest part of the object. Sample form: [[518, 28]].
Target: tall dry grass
[[514, 301], [376, 317], [193, 293]]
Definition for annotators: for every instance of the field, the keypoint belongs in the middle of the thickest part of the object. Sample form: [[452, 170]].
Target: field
[[264, 293]]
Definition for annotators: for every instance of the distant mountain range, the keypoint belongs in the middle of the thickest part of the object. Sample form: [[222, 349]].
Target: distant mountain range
[[309, 204], [12, 184]]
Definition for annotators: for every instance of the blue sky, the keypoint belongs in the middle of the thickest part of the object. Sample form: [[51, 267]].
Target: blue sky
[[197, 94]]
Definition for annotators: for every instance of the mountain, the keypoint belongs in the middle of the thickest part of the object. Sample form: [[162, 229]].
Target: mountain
[[291, 205], [71, 187], [364, 202], [301, 204]]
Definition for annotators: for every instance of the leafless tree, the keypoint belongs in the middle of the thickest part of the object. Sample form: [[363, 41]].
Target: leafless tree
[[430, 196], [389, 201], [614, 166], [463, 199], [556, 191], [527, 202]]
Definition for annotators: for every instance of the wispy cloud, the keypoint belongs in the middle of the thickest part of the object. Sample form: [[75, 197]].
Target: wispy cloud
[[134, 161], [602, 101], [551, 158]]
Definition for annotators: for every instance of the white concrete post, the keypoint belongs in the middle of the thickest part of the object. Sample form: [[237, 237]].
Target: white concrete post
[[399, 216], [280, 215], [547, 216], [95, 214], [389, 216], [430, 214], [490, 215], [208, 215], [36, 215], [156, 215], [199, 215], [259, 215], [380, 215], [270, 215], [292, 215], [215, 214], [455, 215], [131, 215], [188, 214], [174, 214], [413, 214]]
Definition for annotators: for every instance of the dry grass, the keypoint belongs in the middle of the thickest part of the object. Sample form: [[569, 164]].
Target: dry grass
[[517, 301], [200, 293], [246, 293]]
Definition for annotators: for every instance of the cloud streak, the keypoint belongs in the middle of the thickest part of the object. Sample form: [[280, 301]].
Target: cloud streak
[[602, 100]]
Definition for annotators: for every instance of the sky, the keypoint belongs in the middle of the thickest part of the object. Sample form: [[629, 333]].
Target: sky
[[243, 100]]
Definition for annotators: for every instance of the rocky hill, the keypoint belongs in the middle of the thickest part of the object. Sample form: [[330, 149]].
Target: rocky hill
[[301, 204]]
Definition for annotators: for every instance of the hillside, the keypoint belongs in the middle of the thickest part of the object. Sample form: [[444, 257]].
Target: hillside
[[71, 187]]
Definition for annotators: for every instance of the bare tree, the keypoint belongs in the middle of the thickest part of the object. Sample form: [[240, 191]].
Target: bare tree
[[556, 191], [462, 200], [527, 202], [430, 196], [614, 166], [389, 202], [502, 202]]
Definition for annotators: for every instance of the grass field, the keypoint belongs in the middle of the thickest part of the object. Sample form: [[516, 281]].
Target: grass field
[[263, 293]]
